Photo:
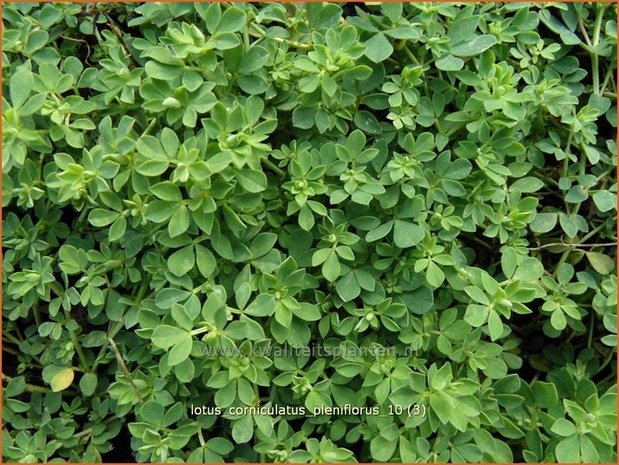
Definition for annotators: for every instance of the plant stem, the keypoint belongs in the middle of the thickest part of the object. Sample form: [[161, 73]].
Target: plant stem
[[204, 329], [592, 233], [260, 34], [269, 164], [123, 368], [591, 326], [410, 55], [201, 438], [29, 387], [80, 351], [150, 126], [485, 244], [246, 37], [8, 350], [117, 32], [566, 160], [36, 313], [112, 331], [595, 61], [612, 354], [576, 246], [88, 431], [11, 338]]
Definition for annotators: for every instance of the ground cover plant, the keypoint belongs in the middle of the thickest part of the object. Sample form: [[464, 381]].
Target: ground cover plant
[[390, 226]]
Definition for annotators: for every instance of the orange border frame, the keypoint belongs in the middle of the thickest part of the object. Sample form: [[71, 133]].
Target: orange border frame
[[290, 1]]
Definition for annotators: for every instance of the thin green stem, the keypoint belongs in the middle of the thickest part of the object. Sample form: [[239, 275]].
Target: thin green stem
[[611, 355], [605, 84], [269, 164], [201, 438], [79, 350], [595, 66], [583, 31], [11, 338], [485, 244], [260, 34], [36, 313], [29, 387], [563, 258], [8, 350], [204, 329], [150, 126], [246, 37], [113, 328], [595, 60], [410, 55], [89, 431], [576, 245], [591, 326], [568, 145], [592, 233], [119, 35], [124, 369]]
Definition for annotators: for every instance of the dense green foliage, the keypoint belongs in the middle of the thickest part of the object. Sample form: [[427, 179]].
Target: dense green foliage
[[424, 195]]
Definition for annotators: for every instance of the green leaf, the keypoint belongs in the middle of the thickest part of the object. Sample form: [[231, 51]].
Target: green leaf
[[320, 256], [568, 450], [348, 288], [441, 407], [308, 312], [378, 48], [232, 20], [601, 263], [381, 449], [477, 295], [605, 201], [255, 58], [243, 429], [226, 41], [558, 320], [476, 315], [166, 336], [263, 305], [529, 270], [118, 228], [99, 217], [182, 261], [88, 384], [159, 211], [407, 234], [181, 350], [367, 122], [219, 161], [205, 261], [331, 267], [545, 394], [62, 380], [568, 224], [528, 184], [544, 222], [379, 232], [449, 63], [434, 275], [474, 46], [167, 191], [182, 317], [495, 325], [252, 180], [152, 412], [563, 427], [179, 223], [20, 86]]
